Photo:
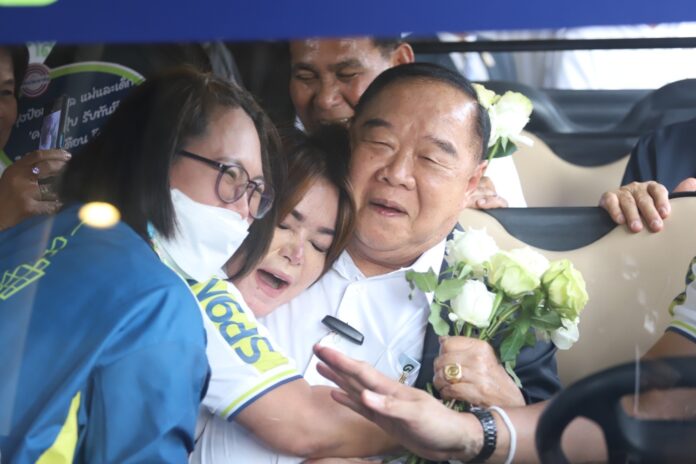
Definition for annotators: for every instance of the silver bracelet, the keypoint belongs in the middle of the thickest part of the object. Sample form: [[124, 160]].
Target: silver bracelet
[[511, 430]]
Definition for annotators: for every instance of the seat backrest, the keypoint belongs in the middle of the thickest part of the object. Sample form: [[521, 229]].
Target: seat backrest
[[548, 180], [631, 278], [591, 149]]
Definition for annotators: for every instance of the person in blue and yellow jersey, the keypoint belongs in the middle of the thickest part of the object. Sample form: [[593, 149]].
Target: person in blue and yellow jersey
[[105, 345], [256, 394]]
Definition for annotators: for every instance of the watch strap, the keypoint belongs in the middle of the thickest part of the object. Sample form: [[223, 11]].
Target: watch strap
[[490, 434]]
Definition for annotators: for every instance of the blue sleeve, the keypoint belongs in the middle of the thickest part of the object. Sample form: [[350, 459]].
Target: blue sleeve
[[642, 164], [143, 407], [536, 369]]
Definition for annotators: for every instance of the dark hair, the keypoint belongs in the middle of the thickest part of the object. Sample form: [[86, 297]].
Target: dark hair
[[434, 73], [325, 154], [129, 162], [19, 54], [386, 45]]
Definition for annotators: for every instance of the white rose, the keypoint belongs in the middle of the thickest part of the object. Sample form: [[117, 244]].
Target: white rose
[[474, 304], [474, 247], [511, 113], [495, 134], [485, 96], [531, 260], [566, 336]]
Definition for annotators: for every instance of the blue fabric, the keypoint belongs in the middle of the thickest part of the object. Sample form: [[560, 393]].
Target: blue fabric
[[104, 318], [667, 156], [79, 21]]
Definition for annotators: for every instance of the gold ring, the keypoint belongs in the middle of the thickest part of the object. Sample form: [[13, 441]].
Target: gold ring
[[452, 372]]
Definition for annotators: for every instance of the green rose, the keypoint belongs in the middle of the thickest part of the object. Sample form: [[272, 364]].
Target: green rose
[[565, 288], [511, 276]]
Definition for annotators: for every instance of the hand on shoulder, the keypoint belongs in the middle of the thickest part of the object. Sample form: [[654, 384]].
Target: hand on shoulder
[[486, 197], [642, 202], [638, 202]]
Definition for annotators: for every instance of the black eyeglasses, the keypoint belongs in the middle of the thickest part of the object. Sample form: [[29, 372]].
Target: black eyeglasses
[[233, 182]]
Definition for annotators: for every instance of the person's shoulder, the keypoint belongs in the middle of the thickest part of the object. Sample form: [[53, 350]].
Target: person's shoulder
[[115, 257], [680, 132], [109, 249]]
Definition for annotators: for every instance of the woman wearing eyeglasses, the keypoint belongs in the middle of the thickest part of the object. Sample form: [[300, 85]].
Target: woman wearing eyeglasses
[[104, 344]]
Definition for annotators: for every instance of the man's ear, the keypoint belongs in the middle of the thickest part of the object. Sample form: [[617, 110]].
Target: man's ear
[[402, 54], [474, 180]]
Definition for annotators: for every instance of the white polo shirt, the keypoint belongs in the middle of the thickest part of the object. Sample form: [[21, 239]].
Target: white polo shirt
[[379, 307]]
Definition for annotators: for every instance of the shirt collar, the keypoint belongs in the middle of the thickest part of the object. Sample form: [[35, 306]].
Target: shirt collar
[[431, 258]]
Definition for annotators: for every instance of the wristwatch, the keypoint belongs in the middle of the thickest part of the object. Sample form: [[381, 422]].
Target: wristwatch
[[490, 433]]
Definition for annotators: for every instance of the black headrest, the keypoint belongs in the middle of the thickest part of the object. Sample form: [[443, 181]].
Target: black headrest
[[555, 229], [590, 148]]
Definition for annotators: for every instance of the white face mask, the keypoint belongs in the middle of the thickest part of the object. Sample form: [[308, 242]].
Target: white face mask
[[205, 238]]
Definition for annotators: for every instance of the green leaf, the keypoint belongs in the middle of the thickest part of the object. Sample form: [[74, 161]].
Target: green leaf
[[459, 326], [464, 271], [448, 289], [503, 147], [530, 339], [429, 388], [549, 321], [440, 326], [530, 303], [510, 369], [425, 281], [461, 406], [396, 458], [493, 151], [512, 344], [413, 459], [497, 308]]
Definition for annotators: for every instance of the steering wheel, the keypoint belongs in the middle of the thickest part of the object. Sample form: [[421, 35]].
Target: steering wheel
[[598, 398]]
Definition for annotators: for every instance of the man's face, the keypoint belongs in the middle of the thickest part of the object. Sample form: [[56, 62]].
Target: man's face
[[414, 164], [8, 99], [329, 76]]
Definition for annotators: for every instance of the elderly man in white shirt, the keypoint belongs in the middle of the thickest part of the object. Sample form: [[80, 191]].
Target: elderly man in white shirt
[[418, 139]]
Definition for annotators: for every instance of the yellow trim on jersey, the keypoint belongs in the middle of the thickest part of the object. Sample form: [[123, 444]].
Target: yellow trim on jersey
[[684, 326], [237, 327], [63, 448], [4, 159], [269, 382]]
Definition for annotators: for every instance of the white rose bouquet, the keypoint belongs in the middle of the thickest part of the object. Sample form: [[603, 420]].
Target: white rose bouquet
[[508, 113], [515, 297]]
